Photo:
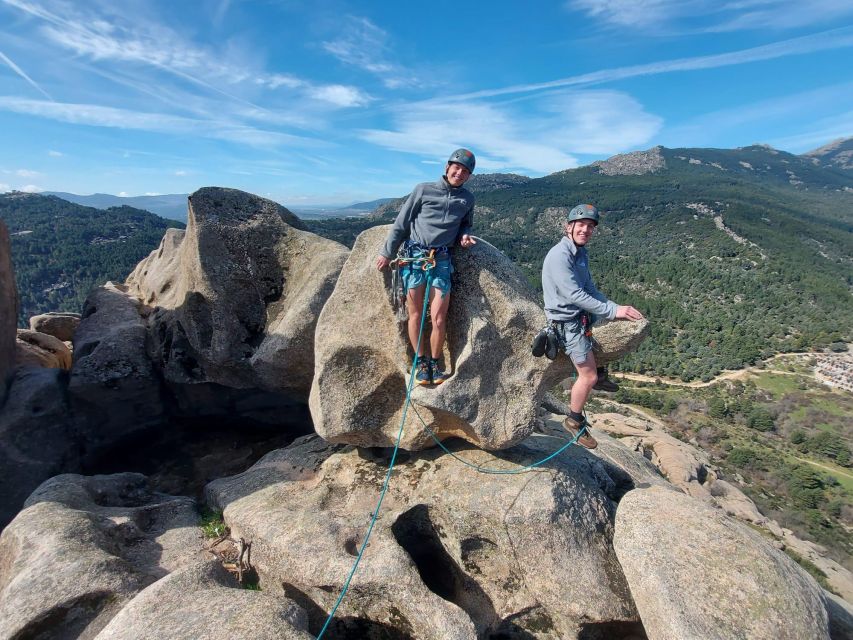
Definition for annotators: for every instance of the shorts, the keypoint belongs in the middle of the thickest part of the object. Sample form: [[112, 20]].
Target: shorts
[[413, 275], [574, 341]]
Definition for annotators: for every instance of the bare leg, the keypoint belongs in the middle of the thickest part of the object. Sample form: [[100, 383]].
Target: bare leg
[[439, 304], [587, 377], [415, 306]]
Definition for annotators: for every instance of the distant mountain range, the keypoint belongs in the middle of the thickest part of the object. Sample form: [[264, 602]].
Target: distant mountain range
[[837, 154], [171, 206]]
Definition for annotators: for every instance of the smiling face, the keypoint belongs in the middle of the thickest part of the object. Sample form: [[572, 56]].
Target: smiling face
[[580, 231], [456, 174]]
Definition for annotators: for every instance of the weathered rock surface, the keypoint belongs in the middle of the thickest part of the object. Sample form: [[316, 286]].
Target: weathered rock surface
[[840, 614], [59, 324], [363, 356], [696, 573], [114, 389], [633, 164], [41, 350], [237, 296], [83, 547], [454, 553], [8, 311], [204, 601], [37, 439], [616, 339]]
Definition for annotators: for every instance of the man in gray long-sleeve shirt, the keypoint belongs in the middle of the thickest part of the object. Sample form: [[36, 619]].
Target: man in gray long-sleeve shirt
[[571, 304], [435, 216]]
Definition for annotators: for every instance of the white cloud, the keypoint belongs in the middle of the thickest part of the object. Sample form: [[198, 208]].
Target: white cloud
[[5, 187], [826, 40], [26, 173], [717, 16], [151, 193], [180, 172], [561, 125], [340, 95], [90, 114], [364, 45], [21, 73], [31, 188], [123, 194], [55, 154]]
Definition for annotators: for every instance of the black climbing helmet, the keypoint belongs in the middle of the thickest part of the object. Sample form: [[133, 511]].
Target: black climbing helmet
[[584, 212], [463, 157]]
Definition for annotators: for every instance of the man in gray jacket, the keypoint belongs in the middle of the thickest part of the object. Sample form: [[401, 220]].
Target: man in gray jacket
[[572, 304], [435, 217]]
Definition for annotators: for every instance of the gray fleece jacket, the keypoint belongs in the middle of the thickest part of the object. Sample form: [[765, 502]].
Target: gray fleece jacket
[[568, 286], [435, 215]]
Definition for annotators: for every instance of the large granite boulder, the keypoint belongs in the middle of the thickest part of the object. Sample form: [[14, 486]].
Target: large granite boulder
[[37, 439], [363, 356], [236, 297], [695, 572], [83, 547], [8, 310], [41, 350], [115, 391], [453, 554], [59, 324], [204, 601]]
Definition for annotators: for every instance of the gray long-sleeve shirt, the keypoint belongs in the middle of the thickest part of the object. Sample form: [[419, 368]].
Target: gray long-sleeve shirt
[[568, 286], [435, 215]]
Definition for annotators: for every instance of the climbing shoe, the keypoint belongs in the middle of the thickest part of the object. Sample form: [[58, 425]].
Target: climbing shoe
[[438, 375], [604, 383], [552, 344], [539, 344], [573, 427], [424, 374]]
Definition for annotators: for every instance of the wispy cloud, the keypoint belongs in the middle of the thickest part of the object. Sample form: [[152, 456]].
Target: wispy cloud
[[55, 154], [31, 188], [5, 187], [561, 125], [826, 40], [97, 115], [27, 173], [364, 45], [21, 73], [737, 15], [133, 40]]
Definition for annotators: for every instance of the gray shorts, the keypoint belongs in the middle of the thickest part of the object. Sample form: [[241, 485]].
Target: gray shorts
[[573, 340]]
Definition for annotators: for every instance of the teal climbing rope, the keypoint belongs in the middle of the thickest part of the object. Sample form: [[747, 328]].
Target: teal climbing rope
[[375, 514], [428, 264]]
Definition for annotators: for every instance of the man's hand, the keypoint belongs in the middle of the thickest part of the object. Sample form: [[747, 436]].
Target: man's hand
[[382, 262], [628, 313], [467, 241]]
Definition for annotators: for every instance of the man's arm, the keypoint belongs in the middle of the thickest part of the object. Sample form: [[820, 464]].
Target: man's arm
[[401, 230]]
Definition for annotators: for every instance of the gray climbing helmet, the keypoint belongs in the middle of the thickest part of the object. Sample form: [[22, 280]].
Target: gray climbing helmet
[[584, 212], [463, 157]]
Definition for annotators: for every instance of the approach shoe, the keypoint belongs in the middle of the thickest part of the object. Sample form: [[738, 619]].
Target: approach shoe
[[424, 374], [573, 427], [605, 384], [438, 375]]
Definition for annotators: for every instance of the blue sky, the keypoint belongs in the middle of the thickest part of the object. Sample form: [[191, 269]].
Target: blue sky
[[335, 102]]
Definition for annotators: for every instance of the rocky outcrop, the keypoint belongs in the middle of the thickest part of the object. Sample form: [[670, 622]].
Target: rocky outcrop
[[8, 311], [36, 349], [236, 297], [633, 164], [454, 553], [114, 389], [697, 573], [59, 324], [363, 356], [613, 340], [37, 439], [83, 547], [204, 601]]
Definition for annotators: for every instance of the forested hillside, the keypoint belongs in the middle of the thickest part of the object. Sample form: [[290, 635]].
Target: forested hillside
[[733, 254], [60, 250]]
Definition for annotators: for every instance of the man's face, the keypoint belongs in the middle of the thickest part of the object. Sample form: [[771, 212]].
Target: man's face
[[456, 174], [580, 231]]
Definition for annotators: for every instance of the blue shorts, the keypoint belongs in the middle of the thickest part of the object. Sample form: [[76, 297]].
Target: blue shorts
[[413, 274], [573, 339]]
